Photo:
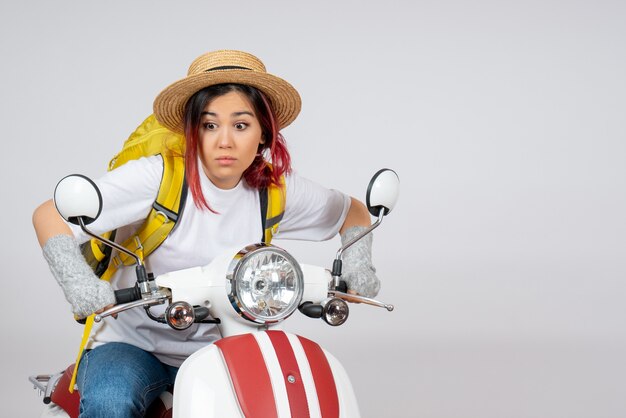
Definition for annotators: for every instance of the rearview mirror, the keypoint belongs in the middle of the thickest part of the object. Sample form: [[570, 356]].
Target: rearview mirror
[[383, 192], [77, 196]]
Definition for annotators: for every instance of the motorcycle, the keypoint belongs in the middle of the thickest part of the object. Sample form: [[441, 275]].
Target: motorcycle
[[256, 369]]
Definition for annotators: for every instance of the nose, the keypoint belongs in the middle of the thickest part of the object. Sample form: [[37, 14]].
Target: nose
[[225, 138]]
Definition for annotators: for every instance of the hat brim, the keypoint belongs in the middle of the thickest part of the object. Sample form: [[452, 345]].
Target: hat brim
[[169, 105]]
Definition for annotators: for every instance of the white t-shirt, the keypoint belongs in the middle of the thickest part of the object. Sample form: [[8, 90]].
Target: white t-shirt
[[312, 213]]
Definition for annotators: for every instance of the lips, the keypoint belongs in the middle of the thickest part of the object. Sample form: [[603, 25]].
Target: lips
[[225, 160]]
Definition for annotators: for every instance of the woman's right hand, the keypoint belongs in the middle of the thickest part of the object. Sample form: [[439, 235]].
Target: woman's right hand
[[82, 288]]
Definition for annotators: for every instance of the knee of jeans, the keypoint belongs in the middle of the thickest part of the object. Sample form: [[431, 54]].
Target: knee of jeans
[[110, 405], [119, 400], [121, 378]]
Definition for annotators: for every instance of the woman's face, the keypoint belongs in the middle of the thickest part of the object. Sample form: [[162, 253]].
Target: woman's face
[[229, 139]]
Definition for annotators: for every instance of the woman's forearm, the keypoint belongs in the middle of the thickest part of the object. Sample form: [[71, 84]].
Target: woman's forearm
[[48, 223], [358, 215]]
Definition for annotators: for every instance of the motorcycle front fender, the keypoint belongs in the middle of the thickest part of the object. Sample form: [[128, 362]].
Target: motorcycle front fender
[[263, 374]]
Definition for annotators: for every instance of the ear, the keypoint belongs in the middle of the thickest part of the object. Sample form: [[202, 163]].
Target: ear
[[262, 141]]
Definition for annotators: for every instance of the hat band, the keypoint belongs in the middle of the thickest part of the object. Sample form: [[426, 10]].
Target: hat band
[[228, 67]]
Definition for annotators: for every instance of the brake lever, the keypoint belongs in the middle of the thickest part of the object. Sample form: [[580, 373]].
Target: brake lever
[[154, 299], [359, 299]]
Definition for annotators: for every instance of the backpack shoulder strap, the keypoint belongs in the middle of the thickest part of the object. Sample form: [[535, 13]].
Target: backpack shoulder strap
[[164, 215], [273, 199]]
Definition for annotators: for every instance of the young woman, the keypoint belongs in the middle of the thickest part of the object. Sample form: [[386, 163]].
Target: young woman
[[230, 111]]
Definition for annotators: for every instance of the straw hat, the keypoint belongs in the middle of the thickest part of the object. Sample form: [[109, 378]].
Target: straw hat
[[226, 66]]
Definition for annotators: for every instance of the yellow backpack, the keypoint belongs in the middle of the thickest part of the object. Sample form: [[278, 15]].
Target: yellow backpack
[[152, 138]]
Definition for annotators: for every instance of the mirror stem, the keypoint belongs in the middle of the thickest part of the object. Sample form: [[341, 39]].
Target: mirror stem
[[109, 243], [337, 264]]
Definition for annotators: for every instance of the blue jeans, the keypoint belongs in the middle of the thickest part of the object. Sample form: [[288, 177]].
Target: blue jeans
[[120, 380]]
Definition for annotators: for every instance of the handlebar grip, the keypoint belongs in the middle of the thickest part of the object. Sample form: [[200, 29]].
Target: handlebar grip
[[130, 294]]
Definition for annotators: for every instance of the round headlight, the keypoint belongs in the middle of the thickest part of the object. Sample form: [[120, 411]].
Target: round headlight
[[265, 283]]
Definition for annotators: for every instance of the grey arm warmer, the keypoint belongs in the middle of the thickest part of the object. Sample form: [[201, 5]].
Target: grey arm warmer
[[358, 271], [83, 290]]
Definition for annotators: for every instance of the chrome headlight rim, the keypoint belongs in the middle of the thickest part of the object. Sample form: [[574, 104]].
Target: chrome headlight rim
[[239, 262]]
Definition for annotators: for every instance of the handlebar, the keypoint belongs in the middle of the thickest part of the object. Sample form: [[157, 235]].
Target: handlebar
[[156, 298], [130, 294]]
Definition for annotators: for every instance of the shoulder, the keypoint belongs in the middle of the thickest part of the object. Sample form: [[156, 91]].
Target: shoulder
[[302, 192], [144, 170], [312, 211], [153, 163], [299, 185], [140, 179]]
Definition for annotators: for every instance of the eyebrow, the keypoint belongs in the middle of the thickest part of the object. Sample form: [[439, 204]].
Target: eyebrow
[[245, 112]]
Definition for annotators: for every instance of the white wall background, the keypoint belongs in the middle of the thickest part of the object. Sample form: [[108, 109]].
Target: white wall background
[[504, 119]]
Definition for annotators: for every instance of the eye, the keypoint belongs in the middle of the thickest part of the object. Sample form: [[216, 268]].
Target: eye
[[241, 126], [209, 126]]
